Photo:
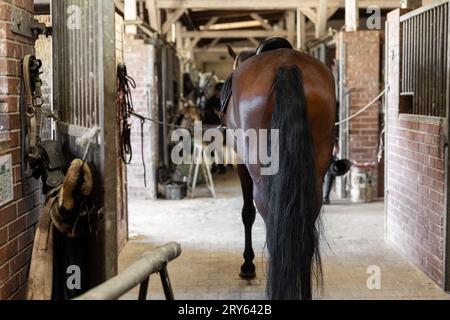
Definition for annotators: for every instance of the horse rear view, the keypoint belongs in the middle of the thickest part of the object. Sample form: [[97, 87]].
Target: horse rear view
[[292, 93]]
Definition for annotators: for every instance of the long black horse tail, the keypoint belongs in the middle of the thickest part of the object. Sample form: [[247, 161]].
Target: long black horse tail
[[293, 200]]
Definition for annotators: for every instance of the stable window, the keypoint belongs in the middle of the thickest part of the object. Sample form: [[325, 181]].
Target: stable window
[[425, 61]]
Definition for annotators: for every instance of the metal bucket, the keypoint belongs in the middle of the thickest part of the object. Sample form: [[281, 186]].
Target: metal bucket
[[176, 191], [362, 183]]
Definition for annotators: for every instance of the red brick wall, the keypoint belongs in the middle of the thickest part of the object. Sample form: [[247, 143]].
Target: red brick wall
[[363, 63], [138, 57], [17, 219], [415, 175]]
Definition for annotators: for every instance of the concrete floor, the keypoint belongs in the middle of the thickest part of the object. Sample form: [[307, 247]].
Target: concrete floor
[[211, 234]]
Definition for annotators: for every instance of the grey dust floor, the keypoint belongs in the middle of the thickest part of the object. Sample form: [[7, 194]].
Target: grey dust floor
[[211, 234]]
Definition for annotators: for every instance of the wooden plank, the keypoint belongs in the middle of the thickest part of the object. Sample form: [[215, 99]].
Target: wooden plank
[[172, 19]]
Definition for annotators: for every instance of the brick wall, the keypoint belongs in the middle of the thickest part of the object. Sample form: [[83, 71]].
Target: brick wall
[[17, 219], [139, 59], [415, 175], [363, 70], [363, 79]]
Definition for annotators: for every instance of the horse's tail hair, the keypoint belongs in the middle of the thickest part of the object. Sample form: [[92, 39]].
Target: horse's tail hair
[[293, 198]]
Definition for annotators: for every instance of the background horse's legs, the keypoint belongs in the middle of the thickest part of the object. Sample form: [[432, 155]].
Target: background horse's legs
[[248, 217]]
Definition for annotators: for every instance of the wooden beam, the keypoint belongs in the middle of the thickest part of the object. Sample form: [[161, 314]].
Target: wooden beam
[[258, 18], [213, 43], [411, 4], [351, 15], [301, 30], [331, 12], [235, 34], [290, 25], [266, 4], [310, 14], [154, 14], [172, 19], [322, 18], [130, 13], [254, 42], [197, 39]]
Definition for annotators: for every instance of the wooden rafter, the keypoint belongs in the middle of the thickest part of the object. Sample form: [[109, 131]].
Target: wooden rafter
[[172, 19]]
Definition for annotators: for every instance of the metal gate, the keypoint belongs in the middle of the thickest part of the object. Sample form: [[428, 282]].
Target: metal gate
[[84, 72], [424, 81]]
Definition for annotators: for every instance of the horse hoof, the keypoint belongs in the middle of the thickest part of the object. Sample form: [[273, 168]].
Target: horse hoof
[[248, 272], [247, 276]]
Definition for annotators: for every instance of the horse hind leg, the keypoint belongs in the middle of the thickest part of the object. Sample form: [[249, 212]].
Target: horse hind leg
[[248, 270]]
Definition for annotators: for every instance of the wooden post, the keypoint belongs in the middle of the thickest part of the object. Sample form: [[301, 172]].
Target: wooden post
[[290, 24], [410, 4], [154, 14], [301, 30], [131, 15], [351, 15], [322, 18]]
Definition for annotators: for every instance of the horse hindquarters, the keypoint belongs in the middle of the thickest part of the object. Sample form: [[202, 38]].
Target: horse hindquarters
[[292, 197]]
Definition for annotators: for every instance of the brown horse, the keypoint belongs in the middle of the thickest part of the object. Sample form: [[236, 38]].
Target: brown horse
[[293, 92]]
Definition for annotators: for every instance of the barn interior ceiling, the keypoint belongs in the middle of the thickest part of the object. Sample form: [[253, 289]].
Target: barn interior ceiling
[[207, 25]]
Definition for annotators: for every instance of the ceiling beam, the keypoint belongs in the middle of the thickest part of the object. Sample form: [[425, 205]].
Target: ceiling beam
[[197, 39], [265, 4], [258, 18], [213, 43], [234, 34], [172, 19], [310, 14]]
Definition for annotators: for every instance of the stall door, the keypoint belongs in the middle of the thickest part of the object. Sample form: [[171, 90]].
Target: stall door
[[84, 71]]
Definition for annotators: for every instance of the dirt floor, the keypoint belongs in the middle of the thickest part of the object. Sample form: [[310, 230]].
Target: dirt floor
[[211, 234]]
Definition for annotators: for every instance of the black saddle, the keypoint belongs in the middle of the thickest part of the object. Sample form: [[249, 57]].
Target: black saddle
[[269, 44], [273, 43]]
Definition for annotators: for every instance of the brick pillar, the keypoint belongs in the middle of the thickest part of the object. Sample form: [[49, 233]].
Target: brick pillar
[[17, 217], [139, 56], [362, 79]]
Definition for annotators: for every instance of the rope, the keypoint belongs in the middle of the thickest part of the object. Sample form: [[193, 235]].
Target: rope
[[363, 109], [161, 123]]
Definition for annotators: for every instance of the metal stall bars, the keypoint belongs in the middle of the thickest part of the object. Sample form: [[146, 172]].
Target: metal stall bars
[[139, 274], [425, 60], [84, 73]]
